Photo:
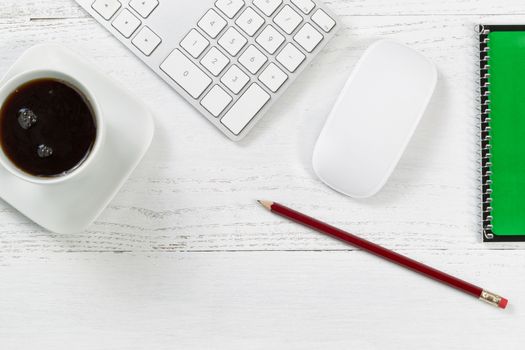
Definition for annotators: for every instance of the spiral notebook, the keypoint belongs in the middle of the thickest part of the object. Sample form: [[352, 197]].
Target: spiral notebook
[[502, 91]]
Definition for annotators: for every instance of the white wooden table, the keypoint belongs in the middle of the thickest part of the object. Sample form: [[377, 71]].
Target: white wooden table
[[183, 258]]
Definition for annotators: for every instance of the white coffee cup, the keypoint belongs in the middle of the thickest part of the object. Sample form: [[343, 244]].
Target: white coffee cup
[[17, 81]]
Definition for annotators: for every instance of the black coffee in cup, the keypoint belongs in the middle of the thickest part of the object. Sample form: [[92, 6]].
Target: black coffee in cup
[[47, 128]]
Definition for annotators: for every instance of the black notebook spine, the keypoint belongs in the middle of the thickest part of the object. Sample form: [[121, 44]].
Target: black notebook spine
[[486, 164]]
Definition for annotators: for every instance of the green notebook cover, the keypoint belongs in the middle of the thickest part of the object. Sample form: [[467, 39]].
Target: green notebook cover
[[503, 132]]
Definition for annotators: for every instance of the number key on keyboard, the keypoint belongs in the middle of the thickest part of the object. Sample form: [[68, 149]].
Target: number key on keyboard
[[235, 79], [194, 43], [230, 7], [250, 22], [106, 8], [232, 41], [270, 39], [146, 41], [185, 73], [304, 5], [215, 61], [268, 7], [252, 59], [144, 7], [245, 109], [212, 23], [288, 20], [308, 37]]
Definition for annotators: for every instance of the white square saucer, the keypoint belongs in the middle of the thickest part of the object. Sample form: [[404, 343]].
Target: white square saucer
[[73, 205]]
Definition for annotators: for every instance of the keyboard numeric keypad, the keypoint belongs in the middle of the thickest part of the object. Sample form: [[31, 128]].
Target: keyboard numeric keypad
[[212, 23], [270, 39], [323, 20], [235, 79], [215, 61], [249, 21], [230, 7], [288, 19], [186, 74], [232, 41], [238, 57], [242, 53], [304, 5], [308, 37], [245, 109], [273, 77], [291, 57], [194, 43], [268, 7], [253, 59], [216, 101]]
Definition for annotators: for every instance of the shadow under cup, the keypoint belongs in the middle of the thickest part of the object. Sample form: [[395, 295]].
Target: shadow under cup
[[50, 126]]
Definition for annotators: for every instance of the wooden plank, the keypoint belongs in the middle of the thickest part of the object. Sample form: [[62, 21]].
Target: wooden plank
[[427, 7], [41, 9], [256, 301]]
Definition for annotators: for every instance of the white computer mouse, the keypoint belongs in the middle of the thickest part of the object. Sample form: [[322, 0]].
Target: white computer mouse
[[374, 119]]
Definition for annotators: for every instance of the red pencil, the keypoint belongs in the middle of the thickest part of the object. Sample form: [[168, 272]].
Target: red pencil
[[384, 253]]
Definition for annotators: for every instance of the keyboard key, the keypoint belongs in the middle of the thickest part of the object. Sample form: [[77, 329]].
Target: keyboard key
[[235, 79], [250, 22], [270, 39], [232, 41], [323, 20], [194, 43], [126, 23], [106, 8], [290, 57], [288, 20], [215, 61], [212, 23], [245, 109], [273, 77], [186, 74], [216, 101], [268, 7], [146, 41], [308, 37], [252, 59], [304, 5], [230, 7], [144, 7]]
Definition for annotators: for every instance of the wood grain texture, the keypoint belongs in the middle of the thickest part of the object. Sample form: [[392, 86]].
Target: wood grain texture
[[184, 256], [257, 300]]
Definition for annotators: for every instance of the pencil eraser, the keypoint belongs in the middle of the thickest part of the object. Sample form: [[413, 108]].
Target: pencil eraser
[[503, 303]]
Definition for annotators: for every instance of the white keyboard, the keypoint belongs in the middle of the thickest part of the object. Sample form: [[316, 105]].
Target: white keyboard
[[231, 59]]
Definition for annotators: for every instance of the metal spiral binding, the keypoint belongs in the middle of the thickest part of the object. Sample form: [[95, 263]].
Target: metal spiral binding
[[486, 164]]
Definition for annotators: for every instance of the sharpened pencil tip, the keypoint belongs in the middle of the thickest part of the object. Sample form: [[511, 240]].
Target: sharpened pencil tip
[[266, 204]]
